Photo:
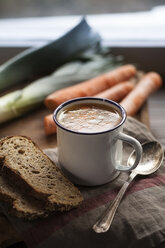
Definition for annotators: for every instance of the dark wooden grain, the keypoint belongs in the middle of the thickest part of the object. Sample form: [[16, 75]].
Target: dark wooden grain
[[30, 125]]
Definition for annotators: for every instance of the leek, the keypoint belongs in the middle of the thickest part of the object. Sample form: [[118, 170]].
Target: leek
[[38, 62], [21, 101]]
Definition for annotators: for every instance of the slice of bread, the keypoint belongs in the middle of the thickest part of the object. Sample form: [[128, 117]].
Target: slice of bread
[[18, 204], [28, 167]]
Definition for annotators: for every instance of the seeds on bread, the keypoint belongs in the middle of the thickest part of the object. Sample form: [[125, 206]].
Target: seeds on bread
[[31, 169]]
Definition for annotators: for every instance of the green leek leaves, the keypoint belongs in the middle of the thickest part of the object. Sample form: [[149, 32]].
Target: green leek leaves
[[37, 62]]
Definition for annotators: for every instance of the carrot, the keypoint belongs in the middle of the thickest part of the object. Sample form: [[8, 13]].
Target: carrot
[[151, 82], [117, 92], [49, 124], [90, 87]]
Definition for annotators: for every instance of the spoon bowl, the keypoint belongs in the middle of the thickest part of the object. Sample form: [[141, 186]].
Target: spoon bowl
[[151, 160]]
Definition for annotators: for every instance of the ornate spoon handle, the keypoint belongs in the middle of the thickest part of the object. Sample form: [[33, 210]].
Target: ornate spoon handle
[[104, 223]]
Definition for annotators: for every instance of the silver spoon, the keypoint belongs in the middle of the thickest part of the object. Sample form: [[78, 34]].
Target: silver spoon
[[152, 158]]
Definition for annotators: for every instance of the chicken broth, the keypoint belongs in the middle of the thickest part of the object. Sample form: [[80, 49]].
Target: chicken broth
[[89, 118]]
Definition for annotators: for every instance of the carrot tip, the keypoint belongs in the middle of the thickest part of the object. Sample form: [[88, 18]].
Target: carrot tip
[[156, 77]]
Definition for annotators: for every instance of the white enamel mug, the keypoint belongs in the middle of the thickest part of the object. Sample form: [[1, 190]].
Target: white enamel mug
[[93, 158]]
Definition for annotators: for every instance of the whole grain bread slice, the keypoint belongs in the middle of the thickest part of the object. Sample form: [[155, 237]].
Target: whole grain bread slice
[[17, 204], [31, 169]]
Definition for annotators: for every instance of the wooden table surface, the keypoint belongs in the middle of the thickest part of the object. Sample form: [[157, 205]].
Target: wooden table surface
[[30, 125]]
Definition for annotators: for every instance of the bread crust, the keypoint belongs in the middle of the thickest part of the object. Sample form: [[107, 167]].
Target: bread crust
[[48, 200]]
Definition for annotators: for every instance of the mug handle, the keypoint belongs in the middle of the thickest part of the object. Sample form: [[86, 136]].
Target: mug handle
[[138, 149]]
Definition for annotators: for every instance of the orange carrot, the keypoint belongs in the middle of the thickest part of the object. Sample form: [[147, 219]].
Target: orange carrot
[[117, 92], [49, 124], [151, 82], [90, 87]]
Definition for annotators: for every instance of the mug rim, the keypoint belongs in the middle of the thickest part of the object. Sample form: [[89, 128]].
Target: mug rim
[[122, 111]]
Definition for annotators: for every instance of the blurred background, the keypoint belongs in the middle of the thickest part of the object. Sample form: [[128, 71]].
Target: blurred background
[[147, 58], [32, 8]]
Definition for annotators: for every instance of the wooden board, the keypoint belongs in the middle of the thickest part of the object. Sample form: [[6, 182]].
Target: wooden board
[[32, 125], [143, 115]]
